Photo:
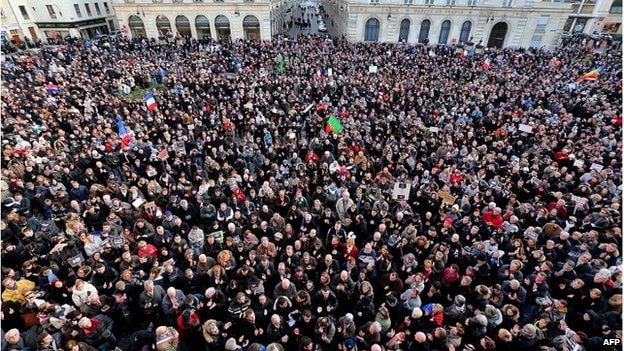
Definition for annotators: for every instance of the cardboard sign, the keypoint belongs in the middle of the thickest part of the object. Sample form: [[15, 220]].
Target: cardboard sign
[[401, 191], [149, 205], [525, 128], [446, 197], [372, 69]]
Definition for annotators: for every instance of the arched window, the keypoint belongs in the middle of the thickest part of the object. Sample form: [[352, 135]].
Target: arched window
[[444, 32], [137, 28], [371, 32], [404, 32], [464, 36], [183, 26], [424, 31], [251, 27], [222, 25], [202, 25], [163, 25]]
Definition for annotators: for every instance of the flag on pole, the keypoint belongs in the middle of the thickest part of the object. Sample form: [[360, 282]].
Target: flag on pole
[[121, 127], [486, 63], [150, 101], [52, 88], [282, 64], [592, 75], [123, 133], [333, 125]]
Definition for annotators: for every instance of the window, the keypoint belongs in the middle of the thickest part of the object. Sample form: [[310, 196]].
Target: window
[[77, 9], [428, 2], [88, 9], [444, 32], [472, 3], [371, 31], [507, 3], [423, 36], [51, 11], [408, 2], [106, 8], [97, 9], [536, 41], [616, 7], [450, 2], [464, 36], [24, 12], [218, 0], [374, 1], [404, 32], [541, 24]]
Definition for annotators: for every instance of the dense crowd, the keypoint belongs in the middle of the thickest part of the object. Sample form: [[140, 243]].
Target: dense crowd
[[461, 207]]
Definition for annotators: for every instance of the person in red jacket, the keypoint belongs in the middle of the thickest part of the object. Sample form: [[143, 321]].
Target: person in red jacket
[[147, 249], [493, 218]]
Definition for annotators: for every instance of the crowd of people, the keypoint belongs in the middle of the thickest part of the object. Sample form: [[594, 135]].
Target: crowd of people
[[454, 206]]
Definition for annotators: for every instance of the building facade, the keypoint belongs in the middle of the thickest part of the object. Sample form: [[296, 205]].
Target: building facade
[[590, 16], [491, 23], [10, 29], [49, 19], [221, 19]]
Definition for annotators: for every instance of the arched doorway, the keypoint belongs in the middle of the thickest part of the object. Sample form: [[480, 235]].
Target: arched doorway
[[423, 35], [202, 25], [222, 25], [251, 27], [497, 35], [404, 31], [371, 31], [163, 25], [183, 26], [137, 28], [444, 32]]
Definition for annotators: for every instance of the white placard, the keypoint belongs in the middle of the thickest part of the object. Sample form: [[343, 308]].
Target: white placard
[[138, 202], [579, 200], [434, 130], [578, 163], [596, 166], [525, 128], [401, 191], [372, 69], [330, 72]]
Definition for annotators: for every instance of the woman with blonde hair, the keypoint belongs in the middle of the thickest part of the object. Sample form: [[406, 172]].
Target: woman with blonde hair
[[212, 336]]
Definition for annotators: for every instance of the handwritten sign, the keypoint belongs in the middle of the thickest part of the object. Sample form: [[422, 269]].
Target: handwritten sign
[[579, 200], [596, 166], [446, 197]]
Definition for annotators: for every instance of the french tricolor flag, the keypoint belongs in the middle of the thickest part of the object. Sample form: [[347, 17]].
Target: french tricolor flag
[[52, 88], [150, 101], [486, 63]]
